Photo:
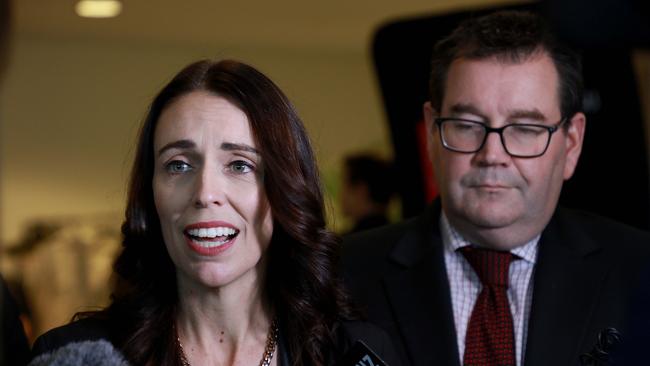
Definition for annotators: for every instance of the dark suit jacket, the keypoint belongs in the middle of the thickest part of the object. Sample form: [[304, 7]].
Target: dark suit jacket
[[89, 329], [635, 351], [585, 272]]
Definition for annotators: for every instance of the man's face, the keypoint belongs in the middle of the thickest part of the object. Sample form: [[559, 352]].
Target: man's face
[[493, 199]]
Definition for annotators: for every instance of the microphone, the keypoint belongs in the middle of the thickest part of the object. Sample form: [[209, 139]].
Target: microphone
[[86, 353], [361, 355], [608, 340]]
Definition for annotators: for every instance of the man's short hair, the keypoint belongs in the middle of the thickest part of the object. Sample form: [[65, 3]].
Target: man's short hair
[[511, 37]]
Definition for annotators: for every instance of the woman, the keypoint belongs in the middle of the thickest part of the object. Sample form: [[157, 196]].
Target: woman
[[226, 257]]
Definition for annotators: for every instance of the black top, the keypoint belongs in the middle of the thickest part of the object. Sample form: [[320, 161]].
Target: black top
[[95, 329]]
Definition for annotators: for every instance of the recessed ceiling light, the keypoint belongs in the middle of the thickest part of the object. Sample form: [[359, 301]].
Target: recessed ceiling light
[[98, 8]]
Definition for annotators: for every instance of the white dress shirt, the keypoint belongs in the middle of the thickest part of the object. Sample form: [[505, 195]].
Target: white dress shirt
[[465, 286]]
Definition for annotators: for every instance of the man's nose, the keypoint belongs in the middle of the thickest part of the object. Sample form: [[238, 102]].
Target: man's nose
[[493, 152]]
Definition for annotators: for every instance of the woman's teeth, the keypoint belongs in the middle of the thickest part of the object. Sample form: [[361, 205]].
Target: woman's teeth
[[212, 237], [212, 232]]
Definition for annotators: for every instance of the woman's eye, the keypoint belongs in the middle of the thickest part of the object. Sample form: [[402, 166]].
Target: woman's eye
[[241, 167], [177, 166]]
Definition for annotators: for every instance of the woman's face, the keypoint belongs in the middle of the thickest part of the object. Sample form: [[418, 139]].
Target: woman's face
[[207, 185]]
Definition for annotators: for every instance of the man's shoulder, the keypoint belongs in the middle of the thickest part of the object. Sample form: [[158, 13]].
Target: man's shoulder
[[606, 232], [376, 243]]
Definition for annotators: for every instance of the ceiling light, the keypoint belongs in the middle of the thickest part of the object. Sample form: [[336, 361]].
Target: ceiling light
[[98, 8]]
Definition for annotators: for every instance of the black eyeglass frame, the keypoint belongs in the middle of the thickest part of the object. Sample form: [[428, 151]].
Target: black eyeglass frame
[[551, 130]]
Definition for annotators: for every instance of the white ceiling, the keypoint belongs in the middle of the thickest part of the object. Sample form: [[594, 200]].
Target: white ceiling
[[300, 23]]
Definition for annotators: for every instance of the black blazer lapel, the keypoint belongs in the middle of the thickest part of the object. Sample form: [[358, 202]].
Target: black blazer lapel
[[419, 294], [567, 281]]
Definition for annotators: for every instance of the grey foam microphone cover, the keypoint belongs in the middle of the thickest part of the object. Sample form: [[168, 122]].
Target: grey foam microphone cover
[[85, 353]]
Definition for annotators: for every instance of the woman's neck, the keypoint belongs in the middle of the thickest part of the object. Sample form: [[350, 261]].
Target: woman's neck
[[226, 325]]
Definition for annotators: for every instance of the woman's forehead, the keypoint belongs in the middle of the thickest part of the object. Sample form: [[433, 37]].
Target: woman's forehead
[[204, 118]]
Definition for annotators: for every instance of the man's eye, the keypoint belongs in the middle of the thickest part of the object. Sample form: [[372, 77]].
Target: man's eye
[[177, 166], [525, 130], [464, 127], [240, 167]]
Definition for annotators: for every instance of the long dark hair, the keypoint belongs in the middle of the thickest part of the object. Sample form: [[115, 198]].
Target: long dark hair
[[301, 275]]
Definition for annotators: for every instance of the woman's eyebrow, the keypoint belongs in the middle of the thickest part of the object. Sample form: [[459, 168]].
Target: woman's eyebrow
[[231, 146], [179, 144]]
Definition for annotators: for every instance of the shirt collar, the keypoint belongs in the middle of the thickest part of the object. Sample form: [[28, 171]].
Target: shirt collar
[[453, 240]]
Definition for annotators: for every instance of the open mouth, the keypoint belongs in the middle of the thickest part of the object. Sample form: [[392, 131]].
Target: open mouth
[[211, 237]]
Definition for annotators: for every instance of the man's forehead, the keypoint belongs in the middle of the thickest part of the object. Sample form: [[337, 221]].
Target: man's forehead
[[520, 89]]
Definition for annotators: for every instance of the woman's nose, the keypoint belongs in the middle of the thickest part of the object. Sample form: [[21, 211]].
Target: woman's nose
[[209, 188]]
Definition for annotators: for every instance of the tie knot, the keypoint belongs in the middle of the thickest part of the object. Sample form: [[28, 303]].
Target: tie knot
[[491, 266]]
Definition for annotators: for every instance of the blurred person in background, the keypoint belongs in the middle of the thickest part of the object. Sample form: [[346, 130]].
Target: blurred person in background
[[366, 191]]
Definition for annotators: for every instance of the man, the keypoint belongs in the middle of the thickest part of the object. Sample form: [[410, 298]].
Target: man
[[366, 190], [493, 273]]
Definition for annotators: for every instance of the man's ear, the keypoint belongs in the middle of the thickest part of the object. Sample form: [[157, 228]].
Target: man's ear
[[573, 143], [429, 115]]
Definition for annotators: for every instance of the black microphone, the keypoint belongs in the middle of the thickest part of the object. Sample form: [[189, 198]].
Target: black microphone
[[608, 340], [86, 353], [361, 355]]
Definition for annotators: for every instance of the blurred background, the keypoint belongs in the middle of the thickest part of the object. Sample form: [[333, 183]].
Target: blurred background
[[76, 88]]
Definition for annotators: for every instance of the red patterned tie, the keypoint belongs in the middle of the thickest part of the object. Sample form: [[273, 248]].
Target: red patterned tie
[[490, 337]]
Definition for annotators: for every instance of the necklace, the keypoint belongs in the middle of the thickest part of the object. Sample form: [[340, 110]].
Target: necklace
[[269, 348]]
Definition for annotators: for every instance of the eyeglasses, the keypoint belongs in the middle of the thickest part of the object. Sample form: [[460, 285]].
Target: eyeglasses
[[519, 140]]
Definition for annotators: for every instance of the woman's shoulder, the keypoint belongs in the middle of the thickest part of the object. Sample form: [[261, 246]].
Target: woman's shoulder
[[91, 328], [374, 339]]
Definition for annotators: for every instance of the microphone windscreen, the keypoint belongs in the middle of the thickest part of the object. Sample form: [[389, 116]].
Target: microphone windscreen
[[86, 353]]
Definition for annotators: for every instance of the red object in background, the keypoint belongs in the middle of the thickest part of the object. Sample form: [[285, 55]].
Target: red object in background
[[430, 187]]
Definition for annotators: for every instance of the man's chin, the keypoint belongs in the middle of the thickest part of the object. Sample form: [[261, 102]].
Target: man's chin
[[492, 215], [491, 221], [499, 232], [481, 213]]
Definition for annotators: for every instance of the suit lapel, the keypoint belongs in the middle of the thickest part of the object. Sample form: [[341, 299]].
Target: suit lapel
[[418, 290], [567, 280]]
